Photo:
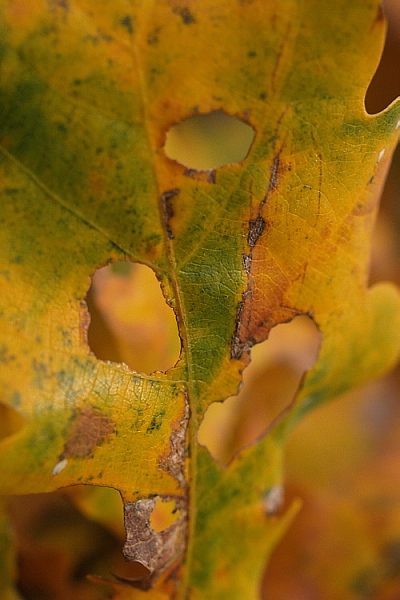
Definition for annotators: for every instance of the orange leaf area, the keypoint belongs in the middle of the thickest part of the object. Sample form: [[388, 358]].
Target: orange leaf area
[[343, 461], [136, 284]]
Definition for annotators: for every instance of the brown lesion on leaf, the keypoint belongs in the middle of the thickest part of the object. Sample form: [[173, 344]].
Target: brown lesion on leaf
[[84, 323], [274, 176], [256, 227], [176, 458], [174, 462], [158, 551], [158, 543], [253, 318], [168, 210], [209, 176], [89, 429]]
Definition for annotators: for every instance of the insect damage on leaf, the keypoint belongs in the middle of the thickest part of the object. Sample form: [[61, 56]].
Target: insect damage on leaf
[[157, 551], [256, 227], [174, 463], [98, 89], [158, 548]]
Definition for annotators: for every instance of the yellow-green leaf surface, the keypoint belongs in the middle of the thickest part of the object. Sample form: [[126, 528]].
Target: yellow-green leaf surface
[[88, 93]]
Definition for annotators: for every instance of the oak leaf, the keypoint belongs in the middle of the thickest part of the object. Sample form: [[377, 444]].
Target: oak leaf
[[88, 93]]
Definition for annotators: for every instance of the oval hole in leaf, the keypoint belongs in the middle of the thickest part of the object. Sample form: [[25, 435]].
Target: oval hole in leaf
[[209, 141], [130, 319], [10, 421], [270, 383]]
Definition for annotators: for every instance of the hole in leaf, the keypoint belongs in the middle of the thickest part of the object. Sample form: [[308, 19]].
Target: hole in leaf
[[130, 319], [385, 84], [164, 515], [63, 537], [209, 141], [270, 383], [10, 421]]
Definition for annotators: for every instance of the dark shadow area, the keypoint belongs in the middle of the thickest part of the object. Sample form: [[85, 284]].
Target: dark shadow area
[[63, 537], [385, 84]]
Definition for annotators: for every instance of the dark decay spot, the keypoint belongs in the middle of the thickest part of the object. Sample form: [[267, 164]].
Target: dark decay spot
[[209, 176], [256, 227], [274, 169], [185, 14], [156, 423], [168, 210], [127, 23], [252, 54]]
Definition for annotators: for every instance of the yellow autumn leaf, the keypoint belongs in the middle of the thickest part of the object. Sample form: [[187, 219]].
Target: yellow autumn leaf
[[89, 93]]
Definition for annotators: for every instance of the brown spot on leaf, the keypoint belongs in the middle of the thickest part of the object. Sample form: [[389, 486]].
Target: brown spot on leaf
[[207, 176], [256, 227], [273, 180], [176, 458], [259, 310], [168, 210], [157, 551], [257, 313], [174, 462], [89, 429]]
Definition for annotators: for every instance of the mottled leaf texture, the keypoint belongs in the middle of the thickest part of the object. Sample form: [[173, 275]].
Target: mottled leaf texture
[[88, 92]]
